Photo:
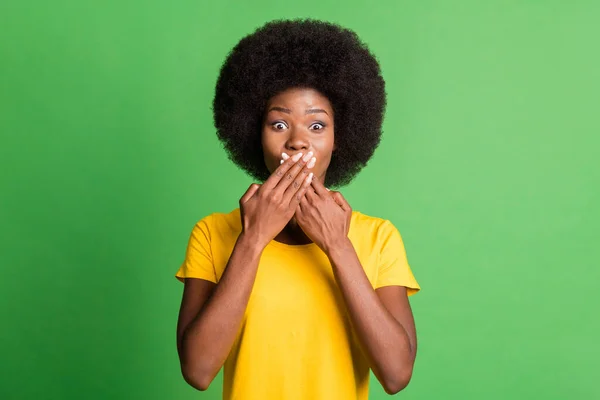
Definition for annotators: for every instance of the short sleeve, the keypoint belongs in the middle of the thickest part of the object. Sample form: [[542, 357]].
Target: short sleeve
[[393, 269], [198, 261]]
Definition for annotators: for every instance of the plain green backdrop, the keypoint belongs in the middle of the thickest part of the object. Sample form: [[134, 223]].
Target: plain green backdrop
[[489, 167]]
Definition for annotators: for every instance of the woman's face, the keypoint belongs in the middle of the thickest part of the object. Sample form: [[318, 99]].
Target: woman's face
[[298, 120]]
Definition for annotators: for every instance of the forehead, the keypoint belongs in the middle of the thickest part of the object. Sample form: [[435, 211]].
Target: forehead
[[300, 98]]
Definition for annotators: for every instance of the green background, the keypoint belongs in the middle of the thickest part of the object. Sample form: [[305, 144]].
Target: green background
[[489, 167]]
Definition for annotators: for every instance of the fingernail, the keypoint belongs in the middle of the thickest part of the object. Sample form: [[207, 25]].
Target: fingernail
[[284, 156], [312, 162], [307, 156], [296, 157], [310, 176], [280, 162]]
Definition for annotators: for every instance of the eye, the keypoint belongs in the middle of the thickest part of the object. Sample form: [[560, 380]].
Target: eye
[[279, 125], [317, 126]]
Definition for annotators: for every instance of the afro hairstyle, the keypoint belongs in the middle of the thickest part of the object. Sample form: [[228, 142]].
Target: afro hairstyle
[[308, 53]]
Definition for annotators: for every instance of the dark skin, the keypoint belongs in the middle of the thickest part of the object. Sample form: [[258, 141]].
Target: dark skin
[[294, 207], [298, 121]]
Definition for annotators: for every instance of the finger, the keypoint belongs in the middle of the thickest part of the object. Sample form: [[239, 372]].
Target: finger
[[311, 196], [299, 212], [341, 201], [319, 187], [303, 203], [293, 172], [297, 183], [295, 197], [278, 174], [249, 193]]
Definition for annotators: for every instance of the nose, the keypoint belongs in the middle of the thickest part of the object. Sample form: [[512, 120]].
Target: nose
[[297, 141]]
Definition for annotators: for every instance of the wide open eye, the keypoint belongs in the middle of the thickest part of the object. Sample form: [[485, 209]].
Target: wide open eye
[[317, 126], [279, 125]]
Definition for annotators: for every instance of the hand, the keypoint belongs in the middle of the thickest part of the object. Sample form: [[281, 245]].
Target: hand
[[266, 209], [324, 216]]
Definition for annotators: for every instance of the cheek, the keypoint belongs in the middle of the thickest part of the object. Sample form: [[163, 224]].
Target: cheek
[[324, 150], [327, 146], [269, 161], [270, 152]]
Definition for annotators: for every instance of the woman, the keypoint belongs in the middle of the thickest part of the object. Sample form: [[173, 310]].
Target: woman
[[294, 293]]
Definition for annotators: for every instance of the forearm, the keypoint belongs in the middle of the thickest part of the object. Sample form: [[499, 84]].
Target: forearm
[[208, 339], [383, 339]]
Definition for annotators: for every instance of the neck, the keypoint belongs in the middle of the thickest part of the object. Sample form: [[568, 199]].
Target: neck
[[293, 234]]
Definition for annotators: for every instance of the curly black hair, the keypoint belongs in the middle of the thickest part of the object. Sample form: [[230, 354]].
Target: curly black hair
[[301, 53]]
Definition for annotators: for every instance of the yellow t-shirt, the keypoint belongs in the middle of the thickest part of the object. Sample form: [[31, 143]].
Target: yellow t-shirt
[[296, 341]]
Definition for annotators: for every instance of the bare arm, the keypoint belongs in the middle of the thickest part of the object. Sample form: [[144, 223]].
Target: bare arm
[[382, 319], [211, 315]]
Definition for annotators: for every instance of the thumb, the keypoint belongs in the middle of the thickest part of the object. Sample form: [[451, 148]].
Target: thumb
[[341, 201], [249, 193]]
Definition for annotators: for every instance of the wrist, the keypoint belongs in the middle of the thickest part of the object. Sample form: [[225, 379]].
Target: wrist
[[250, 244], [338, 247]]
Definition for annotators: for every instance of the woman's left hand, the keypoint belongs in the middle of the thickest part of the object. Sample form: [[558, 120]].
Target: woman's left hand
[[324, 216]]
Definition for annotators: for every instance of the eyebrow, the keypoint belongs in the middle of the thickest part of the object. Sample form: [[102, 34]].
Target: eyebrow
[[316, 111], [285, 110], [309, 111]]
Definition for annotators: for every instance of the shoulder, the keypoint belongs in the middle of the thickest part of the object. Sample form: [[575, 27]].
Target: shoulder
[[374, 232], [220, 224], [368, 224]]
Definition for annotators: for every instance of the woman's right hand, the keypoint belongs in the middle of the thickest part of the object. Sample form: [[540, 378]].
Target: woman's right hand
[[266, 209]]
